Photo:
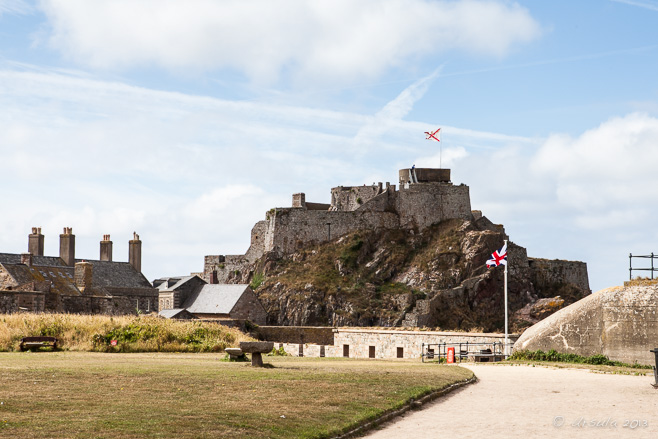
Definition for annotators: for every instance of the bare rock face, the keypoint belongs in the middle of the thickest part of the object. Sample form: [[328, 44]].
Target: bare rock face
[[436, 278], [619, 322]]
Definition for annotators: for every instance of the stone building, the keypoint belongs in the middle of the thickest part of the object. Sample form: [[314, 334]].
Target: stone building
[[192, 297], [425, 197], [37, 283]]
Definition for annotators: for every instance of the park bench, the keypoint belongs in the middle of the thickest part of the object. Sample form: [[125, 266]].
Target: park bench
[[38, 342]]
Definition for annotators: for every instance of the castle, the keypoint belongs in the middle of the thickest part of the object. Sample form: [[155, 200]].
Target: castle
[[426, 196]]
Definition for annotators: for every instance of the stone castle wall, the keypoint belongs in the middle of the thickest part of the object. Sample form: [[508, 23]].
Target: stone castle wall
[[547, 272], [422, 205], [350, 198]]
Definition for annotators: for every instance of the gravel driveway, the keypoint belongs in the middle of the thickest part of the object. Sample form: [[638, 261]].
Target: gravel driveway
[[536, 402]]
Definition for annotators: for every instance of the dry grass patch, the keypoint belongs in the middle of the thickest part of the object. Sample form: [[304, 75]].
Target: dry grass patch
[[81, 395], [132, 333]]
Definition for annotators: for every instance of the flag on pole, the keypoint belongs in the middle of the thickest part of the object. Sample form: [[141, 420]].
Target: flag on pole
[[498, 257], [436, 135]]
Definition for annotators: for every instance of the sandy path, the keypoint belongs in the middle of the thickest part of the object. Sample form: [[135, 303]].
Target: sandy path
[[536, 402]]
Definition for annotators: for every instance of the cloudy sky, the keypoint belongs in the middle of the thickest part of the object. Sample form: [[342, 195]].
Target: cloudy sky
[[187, 120]]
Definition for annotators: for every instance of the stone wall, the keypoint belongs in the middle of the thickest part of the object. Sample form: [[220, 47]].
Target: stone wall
[[249, 308], [350, 198], [320, 335], [546, 272], [387, 343], [422, 205], [296, 228], [13, 301]]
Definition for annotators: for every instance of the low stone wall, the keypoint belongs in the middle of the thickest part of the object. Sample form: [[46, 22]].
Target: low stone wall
[[388, 344], [319, 335], [14, 301]]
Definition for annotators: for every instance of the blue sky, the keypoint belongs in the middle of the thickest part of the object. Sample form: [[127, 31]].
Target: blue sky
[[187, 121]]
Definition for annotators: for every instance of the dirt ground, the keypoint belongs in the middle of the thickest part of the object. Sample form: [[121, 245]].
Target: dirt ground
[[536, 402]]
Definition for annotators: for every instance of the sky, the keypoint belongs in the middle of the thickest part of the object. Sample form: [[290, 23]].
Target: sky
[[187, 121]]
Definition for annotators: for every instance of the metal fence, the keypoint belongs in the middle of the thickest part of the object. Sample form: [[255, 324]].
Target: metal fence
[[463, 351], [630, 264]]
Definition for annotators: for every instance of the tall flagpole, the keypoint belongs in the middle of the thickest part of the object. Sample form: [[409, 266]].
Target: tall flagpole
[[506, 340]]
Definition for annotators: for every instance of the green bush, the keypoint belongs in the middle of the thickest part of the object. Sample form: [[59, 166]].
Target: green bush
[[556, 356]]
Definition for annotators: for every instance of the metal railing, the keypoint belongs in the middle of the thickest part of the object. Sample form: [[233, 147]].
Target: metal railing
[[631, 269], [463, 351]]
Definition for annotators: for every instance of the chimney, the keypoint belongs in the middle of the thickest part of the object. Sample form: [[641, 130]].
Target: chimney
[[83, 276], [35, 242], [67, 247], [213, 277], [106, 249], [135, 252], [26, 259], [299, 200]]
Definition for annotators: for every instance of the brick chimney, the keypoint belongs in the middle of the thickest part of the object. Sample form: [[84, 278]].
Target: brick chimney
[[67, 246], [135, 252], [26, 259], [35, 242], [83, 276], [106, 249]]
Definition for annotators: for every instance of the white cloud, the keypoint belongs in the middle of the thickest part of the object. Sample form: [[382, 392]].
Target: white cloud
[[333, 40]]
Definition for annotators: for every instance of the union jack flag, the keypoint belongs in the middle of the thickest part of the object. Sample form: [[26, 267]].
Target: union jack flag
[[498, 257]]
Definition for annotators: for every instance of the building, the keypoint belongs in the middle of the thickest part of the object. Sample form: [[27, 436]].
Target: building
[[38, 283], [192, 297]]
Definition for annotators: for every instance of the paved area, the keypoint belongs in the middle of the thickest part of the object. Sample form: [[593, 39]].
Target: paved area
[[536, 402]]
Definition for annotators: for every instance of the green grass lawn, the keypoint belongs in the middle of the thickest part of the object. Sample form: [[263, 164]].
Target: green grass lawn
[[101, 395]]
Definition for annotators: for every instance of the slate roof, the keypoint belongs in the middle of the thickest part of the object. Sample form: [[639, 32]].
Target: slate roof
[[61, 278], [171, 313], [215, 298], [46, 261], [108, 274], [171, 283]]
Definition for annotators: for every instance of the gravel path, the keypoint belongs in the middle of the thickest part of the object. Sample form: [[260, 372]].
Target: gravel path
[[536, 402]]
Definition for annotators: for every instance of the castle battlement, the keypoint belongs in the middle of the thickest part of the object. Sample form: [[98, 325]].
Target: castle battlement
[[425, 198]]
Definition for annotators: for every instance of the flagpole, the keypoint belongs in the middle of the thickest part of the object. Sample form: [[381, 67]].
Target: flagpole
[[506, 337]]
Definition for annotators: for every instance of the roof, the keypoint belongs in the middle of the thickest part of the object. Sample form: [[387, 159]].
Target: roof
[[60, 278], [171, 283], [215, 298], [46, 261], [112, 274], [171, 313]]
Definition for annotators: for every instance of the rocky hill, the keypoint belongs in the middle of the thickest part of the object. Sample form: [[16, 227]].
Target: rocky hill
[[436, 278]]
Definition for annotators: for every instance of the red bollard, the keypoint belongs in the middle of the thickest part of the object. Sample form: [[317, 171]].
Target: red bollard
[[451, 355]]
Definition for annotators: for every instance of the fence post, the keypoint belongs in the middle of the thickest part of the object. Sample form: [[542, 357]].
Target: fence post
[[630, 266], [651, 265]]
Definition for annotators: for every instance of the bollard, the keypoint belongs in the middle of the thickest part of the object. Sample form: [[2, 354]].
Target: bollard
[[655, 368]]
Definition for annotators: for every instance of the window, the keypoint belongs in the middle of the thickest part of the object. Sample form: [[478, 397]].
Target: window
[[371, 352], [346, 350], [400, 352]]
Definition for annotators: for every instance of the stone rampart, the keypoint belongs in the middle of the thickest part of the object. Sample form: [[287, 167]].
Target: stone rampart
[[422, 205], [547, 272], [387, 344], [349, 198], [320, 335], [296, 228]]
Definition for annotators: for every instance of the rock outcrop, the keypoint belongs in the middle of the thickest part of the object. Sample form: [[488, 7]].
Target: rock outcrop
[[434, 278], [619, 322]]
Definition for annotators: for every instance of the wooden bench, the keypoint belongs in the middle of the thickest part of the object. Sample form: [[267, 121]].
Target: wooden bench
[[38, 342]]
